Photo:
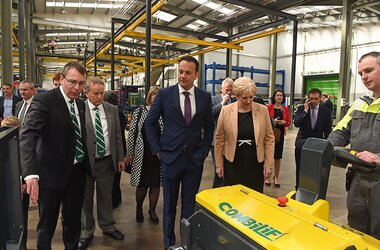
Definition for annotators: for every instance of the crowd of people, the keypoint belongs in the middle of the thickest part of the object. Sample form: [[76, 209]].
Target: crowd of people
[[168, 141]]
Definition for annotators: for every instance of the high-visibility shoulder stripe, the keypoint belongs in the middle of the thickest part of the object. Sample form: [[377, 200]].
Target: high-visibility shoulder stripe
[[359, 105], [342, 124]]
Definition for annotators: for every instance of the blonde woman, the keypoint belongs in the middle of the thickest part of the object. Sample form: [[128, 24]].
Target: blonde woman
[[244, 140]]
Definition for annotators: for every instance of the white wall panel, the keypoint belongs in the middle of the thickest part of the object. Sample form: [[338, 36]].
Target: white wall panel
[[318, 52]]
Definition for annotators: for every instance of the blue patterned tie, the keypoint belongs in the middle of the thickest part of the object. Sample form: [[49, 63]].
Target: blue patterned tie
[[79, 151]]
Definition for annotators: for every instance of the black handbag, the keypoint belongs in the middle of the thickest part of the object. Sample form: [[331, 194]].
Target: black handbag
[[128, 167]]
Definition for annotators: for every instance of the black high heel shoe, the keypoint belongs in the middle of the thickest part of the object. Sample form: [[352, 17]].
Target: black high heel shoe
[[153, 217], [267, 183], [139, 215], [277, 185]]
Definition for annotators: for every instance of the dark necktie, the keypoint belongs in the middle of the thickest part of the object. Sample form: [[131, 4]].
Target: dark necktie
[[100, 144], [187, 108], [79, 151], [22, 113]]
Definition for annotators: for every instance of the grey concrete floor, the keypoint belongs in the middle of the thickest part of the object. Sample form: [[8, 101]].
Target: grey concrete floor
[[149, 236]]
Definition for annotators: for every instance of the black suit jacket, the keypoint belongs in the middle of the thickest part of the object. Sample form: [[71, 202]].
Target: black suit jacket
[[47, 140], [16, 99], [302, 121], [328, 104]]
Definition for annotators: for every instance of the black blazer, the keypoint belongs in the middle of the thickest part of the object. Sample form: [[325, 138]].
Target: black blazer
[[47, 140], [302, 121], [15, 100], [328, 104]]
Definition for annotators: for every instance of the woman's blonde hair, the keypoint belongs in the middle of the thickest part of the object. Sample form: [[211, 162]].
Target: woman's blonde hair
[[243, 85], [152, 91], [11, 121]]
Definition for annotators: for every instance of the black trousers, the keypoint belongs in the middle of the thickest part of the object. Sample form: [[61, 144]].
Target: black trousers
[[49, 203], [218, 181], [25, 210]]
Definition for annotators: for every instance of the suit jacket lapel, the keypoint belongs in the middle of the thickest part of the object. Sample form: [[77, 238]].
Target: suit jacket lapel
[[109, 120], [255, 120], [18, 108], [88, 121], [63, 107], [234, 118], [197, 102], [176, 102]]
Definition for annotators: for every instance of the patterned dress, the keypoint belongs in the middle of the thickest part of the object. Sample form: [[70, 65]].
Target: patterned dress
[[146, 168]]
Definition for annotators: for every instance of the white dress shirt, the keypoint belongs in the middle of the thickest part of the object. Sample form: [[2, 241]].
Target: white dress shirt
[[27, 107], [103, 119]]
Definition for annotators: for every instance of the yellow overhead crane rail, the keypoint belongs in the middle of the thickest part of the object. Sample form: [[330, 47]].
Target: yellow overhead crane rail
[[238, 41], [14, 36], [243, 40], [184, 40], [133, 26]]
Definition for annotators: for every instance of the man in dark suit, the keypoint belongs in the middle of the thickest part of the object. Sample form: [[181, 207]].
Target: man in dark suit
[[8, 101], [105, 152], [326, 102], [313, 120], [218, 101], [53, 156], [27, 91], [184, 143]]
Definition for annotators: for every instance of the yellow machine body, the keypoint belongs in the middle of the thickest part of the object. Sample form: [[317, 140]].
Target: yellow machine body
[[295, 226]]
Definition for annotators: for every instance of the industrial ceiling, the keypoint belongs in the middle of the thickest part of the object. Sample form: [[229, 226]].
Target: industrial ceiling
[[73, 22]]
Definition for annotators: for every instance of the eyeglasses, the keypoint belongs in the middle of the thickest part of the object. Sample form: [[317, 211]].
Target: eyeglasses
[[74, 82]]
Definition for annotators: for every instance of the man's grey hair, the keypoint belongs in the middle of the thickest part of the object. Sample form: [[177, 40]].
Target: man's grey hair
[[31, 85], [93, 80]]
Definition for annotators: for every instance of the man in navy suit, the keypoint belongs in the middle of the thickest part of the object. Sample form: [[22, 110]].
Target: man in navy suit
[[313, 120], [184, 143]]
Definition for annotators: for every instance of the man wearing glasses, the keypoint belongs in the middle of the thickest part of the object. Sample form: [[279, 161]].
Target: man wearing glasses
[[55, 171]]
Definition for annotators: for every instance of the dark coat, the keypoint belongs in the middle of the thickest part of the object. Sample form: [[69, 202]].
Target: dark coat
[[47, 140], [302, 121], [15, 98]]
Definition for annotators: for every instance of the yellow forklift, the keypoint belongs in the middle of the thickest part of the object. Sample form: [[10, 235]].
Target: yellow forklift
[[238, 218]]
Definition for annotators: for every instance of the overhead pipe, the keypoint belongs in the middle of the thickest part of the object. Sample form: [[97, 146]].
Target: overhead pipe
[[148, 42], [21, 34], [112, 55]]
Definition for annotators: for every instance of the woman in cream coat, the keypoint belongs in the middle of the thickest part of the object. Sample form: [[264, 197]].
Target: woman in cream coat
[[244, 140]]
